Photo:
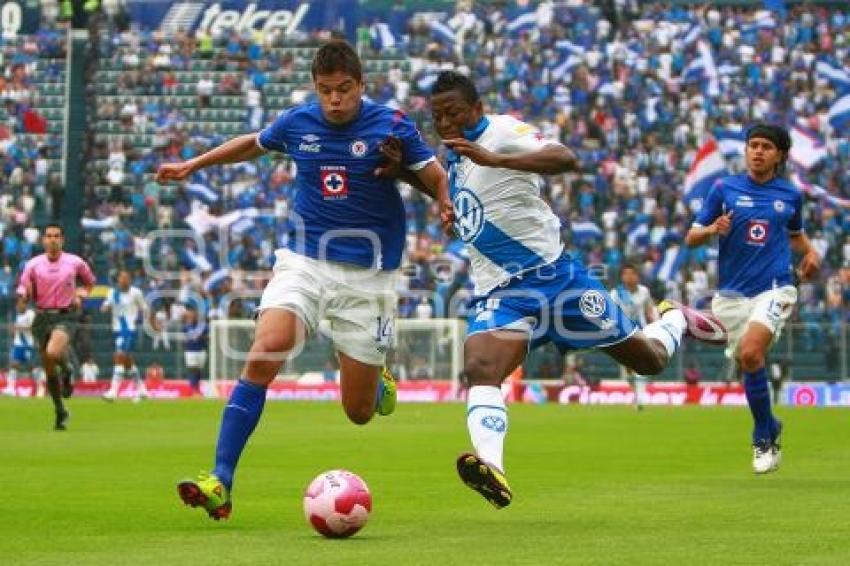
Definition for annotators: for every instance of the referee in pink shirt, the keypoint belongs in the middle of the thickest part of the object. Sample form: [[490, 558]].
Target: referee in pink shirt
[[50, 281]]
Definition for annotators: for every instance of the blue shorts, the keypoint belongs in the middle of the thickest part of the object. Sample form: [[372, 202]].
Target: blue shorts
[[22, 354], [125, 341], [559, 303]]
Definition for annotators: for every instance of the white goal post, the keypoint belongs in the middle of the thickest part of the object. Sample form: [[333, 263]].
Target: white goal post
[[425, 349]]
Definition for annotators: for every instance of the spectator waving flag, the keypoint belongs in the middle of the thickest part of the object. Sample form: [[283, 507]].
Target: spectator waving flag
[[708, 167], [839, 113], [807, 148]]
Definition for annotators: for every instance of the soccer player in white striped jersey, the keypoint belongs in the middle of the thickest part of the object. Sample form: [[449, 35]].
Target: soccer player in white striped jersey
[[23, 351], [528, 291], [127, 304], [636, 301]]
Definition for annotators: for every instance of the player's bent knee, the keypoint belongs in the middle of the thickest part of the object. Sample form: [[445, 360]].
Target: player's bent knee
[[752, 359], [54, 353], [479, 371]]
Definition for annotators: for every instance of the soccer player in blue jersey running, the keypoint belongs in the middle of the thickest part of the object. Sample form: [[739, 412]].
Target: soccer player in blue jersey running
[[343, 254], [758, 216], [528, 290]]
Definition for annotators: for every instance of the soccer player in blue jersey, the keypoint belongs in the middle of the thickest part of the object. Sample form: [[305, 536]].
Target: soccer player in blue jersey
[[758, 216], [343, 255], [528, 290]]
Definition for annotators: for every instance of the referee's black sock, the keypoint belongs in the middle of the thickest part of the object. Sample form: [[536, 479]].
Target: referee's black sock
[[55, 393]]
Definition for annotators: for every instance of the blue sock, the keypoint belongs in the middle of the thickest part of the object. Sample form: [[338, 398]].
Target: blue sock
[[758, 398], [239, 420]]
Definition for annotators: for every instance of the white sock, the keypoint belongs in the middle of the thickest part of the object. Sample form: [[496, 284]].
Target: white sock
[[117, 378], [487, 420], [668, 330], [640, 388], [137, 379], [11, 378]]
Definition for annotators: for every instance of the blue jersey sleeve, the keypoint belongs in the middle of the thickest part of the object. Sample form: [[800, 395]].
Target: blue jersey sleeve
[[795, 224], [416, 152], [273, 136], [712, 207]]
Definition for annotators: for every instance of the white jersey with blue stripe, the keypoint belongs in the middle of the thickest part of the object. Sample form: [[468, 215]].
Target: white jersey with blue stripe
[[23, 329], [126, 307], [500, 215], [634, 303]]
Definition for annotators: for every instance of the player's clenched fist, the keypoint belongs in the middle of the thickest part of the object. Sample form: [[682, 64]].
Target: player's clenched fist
[[174, 171], [722, 225]]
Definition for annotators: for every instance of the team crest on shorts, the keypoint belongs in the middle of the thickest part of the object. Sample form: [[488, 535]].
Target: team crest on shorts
[[592, 304], [334, 181], [757, 232], [358, 148]]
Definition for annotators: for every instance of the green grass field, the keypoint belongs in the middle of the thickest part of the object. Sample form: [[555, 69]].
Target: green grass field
[[593, 485]]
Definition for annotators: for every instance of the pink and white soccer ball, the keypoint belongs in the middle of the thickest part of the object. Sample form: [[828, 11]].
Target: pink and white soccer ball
[[337, 503]]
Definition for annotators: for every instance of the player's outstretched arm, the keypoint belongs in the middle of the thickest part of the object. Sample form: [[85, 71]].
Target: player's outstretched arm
[[241, 148], [810, 262], [433, 177], [549, 160]]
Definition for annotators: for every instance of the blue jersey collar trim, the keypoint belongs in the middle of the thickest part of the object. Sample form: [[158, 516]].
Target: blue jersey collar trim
[[475, 132]]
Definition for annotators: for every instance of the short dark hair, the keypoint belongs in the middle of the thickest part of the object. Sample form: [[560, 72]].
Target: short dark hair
[[448, 81], [626, 266], [337, 55], [777, 134], [54, 225]]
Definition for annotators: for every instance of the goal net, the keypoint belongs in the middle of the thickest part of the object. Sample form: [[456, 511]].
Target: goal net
[[429, 349]]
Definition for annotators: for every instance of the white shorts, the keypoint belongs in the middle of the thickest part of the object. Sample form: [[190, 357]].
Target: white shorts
[[359, 303], [195, 359], [771, 308]]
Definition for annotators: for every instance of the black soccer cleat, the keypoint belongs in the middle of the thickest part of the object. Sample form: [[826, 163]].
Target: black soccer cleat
[[62, 420], [485, 479]]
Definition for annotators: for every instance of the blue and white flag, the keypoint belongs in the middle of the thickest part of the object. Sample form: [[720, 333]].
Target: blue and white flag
[[837, 76], [731, 142], [382, 36], [839, 113], [202, 193], [565, 67], [694, 71], [584, 229], [817, 192], [667, 268], [638, 234], [567, 45], [807, 147], [442, 32], [523, 22], [691, 34], [198, 261]]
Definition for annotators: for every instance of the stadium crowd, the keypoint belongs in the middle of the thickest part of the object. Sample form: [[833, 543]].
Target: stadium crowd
[[635, 89]]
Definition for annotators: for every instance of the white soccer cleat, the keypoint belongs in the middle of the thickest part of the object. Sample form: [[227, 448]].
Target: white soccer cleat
[[764, 460], [108, 396]]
